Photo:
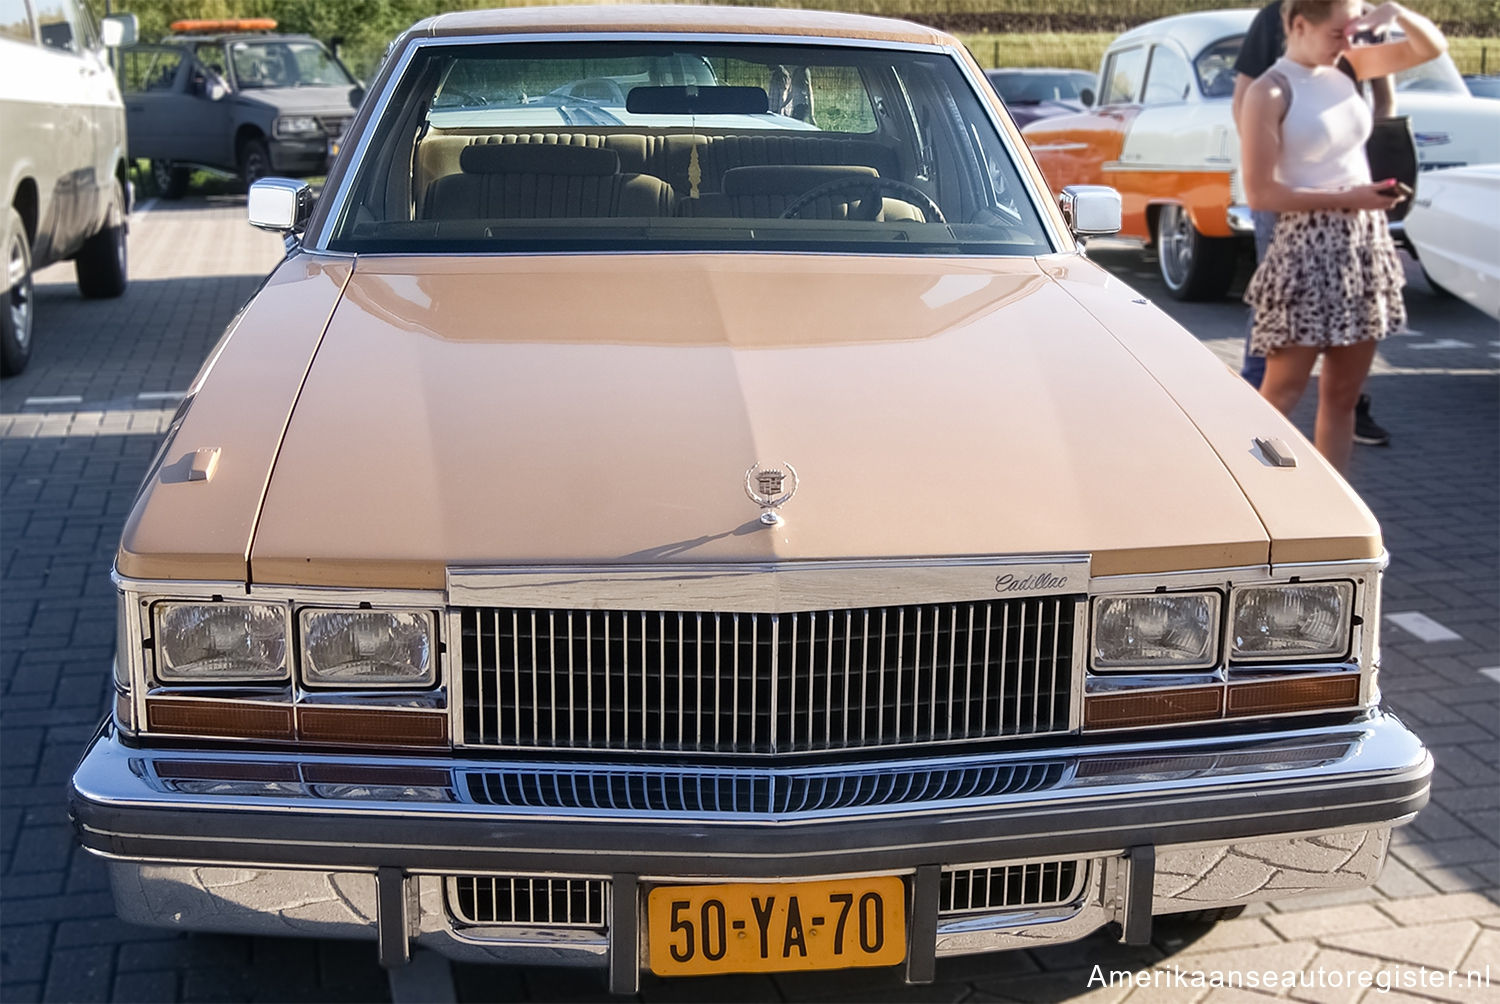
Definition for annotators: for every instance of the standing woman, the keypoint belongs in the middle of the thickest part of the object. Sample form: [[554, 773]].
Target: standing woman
[[1330, 283]]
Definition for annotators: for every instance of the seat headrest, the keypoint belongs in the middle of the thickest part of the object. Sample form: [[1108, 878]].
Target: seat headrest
[[538, 158], [789, 179]]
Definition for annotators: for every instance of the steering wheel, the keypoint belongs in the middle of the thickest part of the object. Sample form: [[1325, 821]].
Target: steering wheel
[[875, 188]]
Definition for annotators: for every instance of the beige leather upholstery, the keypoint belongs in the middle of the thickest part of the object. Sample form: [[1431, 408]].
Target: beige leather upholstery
[[668, 157], [543, 181]]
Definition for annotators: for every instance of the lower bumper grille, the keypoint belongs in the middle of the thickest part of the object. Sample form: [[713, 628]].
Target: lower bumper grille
[[575, 901], [536, 900], [688, 681], [745, 791], [989, 888]]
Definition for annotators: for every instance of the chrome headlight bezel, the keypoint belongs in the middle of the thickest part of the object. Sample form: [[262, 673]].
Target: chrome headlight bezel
[[1337, 648], [1211, 602], [161, 630], [308, 672]]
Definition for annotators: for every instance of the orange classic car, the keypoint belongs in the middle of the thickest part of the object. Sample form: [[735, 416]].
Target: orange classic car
[[1161, 134], [685, 504]]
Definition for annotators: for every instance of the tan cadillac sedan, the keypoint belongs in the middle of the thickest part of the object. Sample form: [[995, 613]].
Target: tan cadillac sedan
[[686, 504]]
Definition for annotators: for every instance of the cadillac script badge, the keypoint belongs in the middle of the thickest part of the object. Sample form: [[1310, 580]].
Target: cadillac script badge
[[767, 488]]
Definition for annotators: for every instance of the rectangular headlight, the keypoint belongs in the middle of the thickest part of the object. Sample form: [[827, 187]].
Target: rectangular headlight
[[296, 125], [367, 648], [1305, 620], [220, 642], [1159, 631]]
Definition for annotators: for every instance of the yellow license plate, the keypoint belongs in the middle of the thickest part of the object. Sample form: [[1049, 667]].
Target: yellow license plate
[[776, 927]]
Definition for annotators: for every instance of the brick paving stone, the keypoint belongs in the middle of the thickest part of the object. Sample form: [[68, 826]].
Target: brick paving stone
[[43, 848], [1425, 854], [24, 949], [1436, 946], [1460, 879], [147, 987], [1236, 995], [29, 885], [80, 974], [1073, 986], [1310, 924], [1242, 932], [1336, 977], [1430, 909]]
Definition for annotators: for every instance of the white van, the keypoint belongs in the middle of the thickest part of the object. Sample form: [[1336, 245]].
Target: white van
[[62, 157]]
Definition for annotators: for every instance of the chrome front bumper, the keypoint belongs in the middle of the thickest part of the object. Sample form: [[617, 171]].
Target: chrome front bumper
[[344, 846]]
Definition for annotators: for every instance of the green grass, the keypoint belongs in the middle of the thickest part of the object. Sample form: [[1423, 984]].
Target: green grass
[[1079, 49]]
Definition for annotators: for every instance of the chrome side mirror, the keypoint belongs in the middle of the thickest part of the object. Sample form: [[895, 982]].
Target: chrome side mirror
[[280, 204], [119, 29], [1091, 210]]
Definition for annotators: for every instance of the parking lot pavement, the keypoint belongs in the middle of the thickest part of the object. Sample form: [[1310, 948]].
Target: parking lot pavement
[[79, 427]]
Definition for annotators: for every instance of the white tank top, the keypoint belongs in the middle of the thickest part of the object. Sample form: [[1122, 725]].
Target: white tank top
[[1324, 132]]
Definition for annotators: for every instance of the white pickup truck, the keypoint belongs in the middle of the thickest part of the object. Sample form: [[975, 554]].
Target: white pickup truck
[[62, 158]]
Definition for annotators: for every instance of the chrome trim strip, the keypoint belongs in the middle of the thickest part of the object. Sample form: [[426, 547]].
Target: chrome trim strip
[[769, 587]]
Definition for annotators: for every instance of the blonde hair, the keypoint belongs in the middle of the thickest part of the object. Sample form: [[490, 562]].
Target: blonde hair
[[1312, 11]]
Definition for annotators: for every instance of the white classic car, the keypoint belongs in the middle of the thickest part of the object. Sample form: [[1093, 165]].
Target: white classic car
[[1163, 135], [1454, 228]]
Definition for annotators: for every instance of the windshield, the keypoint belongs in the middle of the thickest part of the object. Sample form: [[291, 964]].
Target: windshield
[[685, 146], [1436, 75], [285, 64], [1034, 88]]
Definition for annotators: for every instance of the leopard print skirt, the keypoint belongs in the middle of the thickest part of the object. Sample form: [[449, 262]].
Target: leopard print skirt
[[1329, 278]]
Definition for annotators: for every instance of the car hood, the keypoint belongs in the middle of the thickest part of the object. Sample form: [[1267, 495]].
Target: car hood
[[303, 100], [525, 411]]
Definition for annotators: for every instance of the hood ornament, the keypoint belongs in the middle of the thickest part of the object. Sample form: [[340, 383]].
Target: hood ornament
[[764, 486]]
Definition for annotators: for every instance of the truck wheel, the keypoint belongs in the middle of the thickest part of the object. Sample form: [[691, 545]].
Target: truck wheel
[[16, 304], [170, 180], [255, 162], [1193, 267], [101, 265]]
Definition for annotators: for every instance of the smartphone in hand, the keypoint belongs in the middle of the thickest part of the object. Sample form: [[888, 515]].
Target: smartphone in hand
[[1392, 188]]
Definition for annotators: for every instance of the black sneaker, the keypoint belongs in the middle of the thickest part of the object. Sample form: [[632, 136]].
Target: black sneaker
[[1366, 430]]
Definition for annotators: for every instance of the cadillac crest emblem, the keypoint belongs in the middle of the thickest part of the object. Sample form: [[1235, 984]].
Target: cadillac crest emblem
[[767, 488]]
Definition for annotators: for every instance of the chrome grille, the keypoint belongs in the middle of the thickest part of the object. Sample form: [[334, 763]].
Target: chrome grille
[[766, 683], [537, 900], [752, 792], [975, 888]]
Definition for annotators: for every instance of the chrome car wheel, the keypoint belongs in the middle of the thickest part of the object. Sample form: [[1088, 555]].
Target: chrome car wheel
[[1193, 267], [1174, 238]]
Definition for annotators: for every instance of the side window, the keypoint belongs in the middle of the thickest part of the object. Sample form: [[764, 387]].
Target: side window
[[57, 20], [1122, 77], [146, 70], [15, 21], [212, 56], [1169, 80]]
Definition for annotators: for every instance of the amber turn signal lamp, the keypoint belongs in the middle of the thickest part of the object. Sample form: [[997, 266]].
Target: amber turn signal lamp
[[236, 719], [1275, 697], [372, 728], [1162, 707]]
